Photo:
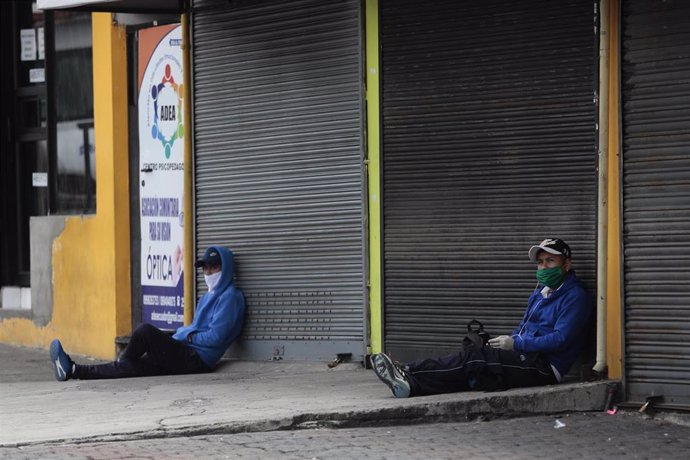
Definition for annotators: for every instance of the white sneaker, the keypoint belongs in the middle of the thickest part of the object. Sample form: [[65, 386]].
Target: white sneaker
[[391, 375]]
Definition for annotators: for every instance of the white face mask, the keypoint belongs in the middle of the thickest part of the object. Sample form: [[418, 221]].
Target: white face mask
[[212, 280]]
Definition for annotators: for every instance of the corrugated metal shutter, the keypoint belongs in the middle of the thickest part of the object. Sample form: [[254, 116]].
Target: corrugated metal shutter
[[489, 139], [656, 199], [278, 167]]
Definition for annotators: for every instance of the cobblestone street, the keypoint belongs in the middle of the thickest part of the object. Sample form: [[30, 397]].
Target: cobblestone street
[[589, 435]]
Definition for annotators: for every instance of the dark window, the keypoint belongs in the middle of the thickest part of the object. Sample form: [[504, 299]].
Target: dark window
[[73, 98]]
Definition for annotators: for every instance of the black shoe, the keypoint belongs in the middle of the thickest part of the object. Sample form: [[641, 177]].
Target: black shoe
[[391, 375]]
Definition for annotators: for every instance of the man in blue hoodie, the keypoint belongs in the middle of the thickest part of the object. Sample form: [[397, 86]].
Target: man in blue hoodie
[[193, 349], [539, 352]]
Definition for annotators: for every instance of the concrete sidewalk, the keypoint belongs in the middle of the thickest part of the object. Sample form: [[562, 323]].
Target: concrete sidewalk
[[239, 397]]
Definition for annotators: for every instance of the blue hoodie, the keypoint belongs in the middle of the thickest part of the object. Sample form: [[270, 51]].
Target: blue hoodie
[[218, 317], [556, 326]]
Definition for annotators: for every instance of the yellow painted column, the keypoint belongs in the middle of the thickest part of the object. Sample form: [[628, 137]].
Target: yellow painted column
[[374, 177], [92, 268], [188, 209], [112, 157], [91, 258], [613, 276]]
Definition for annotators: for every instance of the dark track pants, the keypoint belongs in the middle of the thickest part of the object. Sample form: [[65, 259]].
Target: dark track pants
[[474, 368], [150, 352]]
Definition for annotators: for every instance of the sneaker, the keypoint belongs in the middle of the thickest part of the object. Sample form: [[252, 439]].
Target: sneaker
[[62, 363], [391, 374]]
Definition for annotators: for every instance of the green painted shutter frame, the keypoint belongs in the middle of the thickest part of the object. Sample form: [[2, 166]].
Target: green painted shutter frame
[[278, 158], [656, 200], [489, 146]]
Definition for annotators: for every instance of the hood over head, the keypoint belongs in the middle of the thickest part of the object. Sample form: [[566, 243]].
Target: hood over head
[[227, 266]]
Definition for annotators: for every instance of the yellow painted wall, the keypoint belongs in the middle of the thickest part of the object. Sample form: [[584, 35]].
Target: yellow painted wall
[[188, 258], [374, 178], [91, 258], [614, 322]]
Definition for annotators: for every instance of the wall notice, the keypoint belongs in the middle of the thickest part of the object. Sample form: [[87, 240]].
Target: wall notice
[[27, 39]]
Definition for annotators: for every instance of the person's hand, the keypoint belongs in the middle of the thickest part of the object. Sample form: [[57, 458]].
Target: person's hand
[[504, 342]]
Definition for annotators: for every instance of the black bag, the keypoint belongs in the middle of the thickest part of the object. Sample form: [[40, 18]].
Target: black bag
[[476, 333], [484, 377]]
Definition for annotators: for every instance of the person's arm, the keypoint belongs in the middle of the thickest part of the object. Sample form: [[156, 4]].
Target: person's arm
[[573, 313], [227, 314]]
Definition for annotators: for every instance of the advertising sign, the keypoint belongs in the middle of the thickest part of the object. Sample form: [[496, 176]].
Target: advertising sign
[[161, 180]]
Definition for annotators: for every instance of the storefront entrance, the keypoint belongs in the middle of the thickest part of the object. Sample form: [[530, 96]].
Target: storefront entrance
[[489, 145], [656, 201]]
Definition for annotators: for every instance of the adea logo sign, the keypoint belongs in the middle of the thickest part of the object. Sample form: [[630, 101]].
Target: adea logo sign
[[167, 96], [161, 95]]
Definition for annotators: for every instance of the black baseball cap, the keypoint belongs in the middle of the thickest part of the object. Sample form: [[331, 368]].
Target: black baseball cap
[[211, 257], [552, 246]]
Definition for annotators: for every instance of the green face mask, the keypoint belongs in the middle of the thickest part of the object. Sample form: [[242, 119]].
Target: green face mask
[[551, 277]]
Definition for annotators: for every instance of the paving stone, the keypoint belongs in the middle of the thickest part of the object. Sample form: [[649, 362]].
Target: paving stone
[[584, 435]]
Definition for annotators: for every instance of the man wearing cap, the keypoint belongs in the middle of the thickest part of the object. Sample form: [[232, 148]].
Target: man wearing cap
[[539, 352], [196, 348]]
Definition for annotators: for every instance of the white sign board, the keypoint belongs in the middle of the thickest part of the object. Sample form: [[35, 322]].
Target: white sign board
[[161, 180], [39, 179], [27, 39]]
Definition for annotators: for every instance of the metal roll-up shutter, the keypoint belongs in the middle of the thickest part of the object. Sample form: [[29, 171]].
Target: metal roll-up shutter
[[489, 141], [278, 168], [656, 200]]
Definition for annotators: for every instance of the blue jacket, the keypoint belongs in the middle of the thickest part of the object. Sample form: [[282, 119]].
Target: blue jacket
[[556, 326], [218, 317]]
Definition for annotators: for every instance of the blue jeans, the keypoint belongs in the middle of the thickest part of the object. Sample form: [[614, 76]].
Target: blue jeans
[[149, 352]]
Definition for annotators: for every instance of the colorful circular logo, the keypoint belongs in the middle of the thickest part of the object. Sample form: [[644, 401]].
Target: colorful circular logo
[[167, 111]]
